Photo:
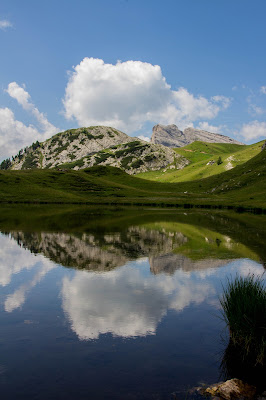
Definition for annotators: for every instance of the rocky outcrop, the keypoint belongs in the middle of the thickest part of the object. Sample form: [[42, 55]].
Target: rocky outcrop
[[171, 136], [263, 147], [99, 145]]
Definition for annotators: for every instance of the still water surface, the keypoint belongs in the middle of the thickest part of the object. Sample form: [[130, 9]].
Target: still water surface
[[118, 306]]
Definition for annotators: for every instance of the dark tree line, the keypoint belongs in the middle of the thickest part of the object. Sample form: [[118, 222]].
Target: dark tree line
[[6, 164]]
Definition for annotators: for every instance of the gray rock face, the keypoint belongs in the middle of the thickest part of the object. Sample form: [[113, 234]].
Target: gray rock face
[[168, 135], [171, 136]]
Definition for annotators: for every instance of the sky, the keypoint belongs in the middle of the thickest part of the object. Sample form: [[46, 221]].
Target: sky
[[131, 64]]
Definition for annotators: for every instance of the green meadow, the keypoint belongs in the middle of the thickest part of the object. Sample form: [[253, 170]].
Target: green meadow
[[199, 155], [243, 186]]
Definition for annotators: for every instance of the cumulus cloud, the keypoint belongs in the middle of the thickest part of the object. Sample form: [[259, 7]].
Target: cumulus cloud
[[263, 89], [14, 134], [209, 128], [4, 24], [128, 94], [253, 130]]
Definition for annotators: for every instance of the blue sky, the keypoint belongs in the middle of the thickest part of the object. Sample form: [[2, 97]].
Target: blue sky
[[131, 64]]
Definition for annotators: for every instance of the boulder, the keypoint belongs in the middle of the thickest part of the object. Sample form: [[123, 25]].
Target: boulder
[[233, 389]]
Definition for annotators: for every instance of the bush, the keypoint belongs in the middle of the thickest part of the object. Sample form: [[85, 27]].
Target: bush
[[219, 161], [126, 161], [149, 157], [30, 161], [137, 164], [101, 157], [244, 310]]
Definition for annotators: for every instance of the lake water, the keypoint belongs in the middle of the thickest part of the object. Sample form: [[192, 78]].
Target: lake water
[[117, 304]]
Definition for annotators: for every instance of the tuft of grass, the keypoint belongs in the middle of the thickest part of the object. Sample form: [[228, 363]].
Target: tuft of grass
[[244, 310]]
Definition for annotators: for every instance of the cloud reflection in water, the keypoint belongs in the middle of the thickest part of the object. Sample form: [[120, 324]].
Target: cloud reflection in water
[[128, 301]]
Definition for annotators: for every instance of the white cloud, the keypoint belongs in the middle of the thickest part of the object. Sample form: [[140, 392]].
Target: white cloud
[[23, 98], [263, 89], [255, 110], [4, 24], [224, 101], [128, 94], [209, 128], [15, 135], [253, 130], [145, 138]]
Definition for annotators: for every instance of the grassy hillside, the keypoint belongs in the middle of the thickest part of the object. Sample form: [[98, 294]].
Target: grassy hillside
[[245, 186], [203, 159]]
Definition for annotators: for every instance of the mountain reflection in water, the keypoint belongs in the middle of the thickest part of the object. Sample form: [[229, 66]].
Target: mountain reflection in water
[[95, 300], [144, 272]]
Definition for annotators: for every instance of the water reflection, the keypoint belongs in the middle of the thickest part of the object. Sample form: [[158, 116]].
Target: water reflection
[[145, 270], [169, 247], [154, 280], [14, 260], [127, 301]]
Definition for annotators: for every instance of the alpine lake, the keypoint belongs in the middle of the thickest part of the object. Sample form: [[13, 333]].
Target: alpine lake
[[119, 303]]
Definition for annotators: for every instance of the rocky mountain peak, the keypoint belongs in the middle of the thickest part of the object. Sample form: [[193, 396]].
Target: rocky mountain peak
[[166, 135], [172, 136]]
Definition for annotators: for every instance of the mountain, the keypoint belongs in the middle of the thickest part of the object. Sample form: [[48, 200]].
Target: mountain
[[99, 145], [171, 136]]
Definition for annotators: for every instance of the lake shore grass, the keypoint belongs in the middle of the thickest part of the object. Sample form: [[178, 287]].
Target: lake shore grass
[[244, 310]]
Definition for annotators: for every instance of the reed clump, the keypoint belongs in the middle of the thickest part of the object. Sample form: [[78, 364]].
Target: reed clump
[[244, 310]]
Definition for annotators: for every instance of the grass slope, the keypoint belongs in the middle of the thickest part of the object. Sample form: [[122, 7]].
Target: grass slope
[[245, 186], [199, 154]]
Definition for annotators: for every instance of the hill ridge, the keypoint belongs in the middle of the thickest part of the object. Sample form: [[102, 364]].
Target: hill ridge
[[171, 136], [97, 145]]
